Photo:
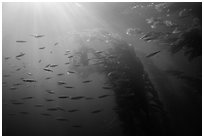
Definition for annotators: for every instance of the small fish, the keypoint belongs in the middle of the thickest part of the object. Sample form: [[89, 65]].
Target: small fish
[[63, 97], [61, 119], [37, 36], [76, 126], [70, 56], [103, 96], [46, 114], [50, 91], [86, 81], [61, 82], [56, 43], [152, 54], [47, 78], [67, 51], [38, 105], [60, 74], [21, 41], [73, 110], [26, 98], [66, 63], [20, 55], [68, 86], [49, 70], [77, 97], [96, 111], [39, 61], [29, 80], [42, 48], [18, 69], [53, 65]]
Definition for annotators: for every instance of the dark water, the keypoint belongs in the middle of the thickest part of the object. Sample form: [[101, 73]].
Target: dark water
[[101, 69]]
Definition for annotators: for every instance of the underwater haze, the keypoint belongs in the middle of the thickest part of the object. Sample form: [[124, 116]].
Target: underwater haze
[[102, 69]]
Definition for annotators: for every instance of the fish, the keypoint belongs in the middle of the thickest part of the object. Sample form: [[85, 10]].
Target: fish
[[66, 63], [45, 114], [89, 98], [29, 80], [103, 96], [176, 73], [111, 56], [68, 86], [61, 119], [38, 105], [6, 75], [6, 58], [76, 126], [73, 110], [47, 66], [86, 81], [26, 98], [52, 109], [20, 55], [50, 91], [96, 111], [60, 108], [13, 88], [41, 47], [99, 52], [37, 36], [68, 72], [11, 114], [152, 54], [17, 103], [18, 69], [77, 65], [70, 56], [29, 73], [49, 100], [47, 78], [61, 82], [77, 97], [56, 43], [25, 113], [39, 61], [63, 97], [21, 41], [53, 65], [49, 70], [17, 84], [67, 51], [107, 87], [60, 74]]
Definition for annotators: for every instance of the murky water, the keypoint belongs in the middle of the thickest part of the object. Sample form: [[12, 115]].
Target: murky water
[[101, 69]]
